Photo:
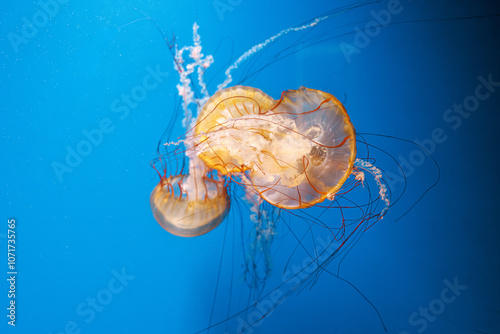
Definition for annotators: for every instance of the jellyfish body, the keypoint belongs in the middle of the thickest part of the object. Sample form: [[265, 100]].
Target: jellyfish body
[[297, 151], [190, 205]]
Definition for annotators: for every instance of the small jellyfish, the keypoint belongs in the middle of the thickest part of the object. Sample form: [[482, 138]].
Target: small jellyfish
[[190, 205]]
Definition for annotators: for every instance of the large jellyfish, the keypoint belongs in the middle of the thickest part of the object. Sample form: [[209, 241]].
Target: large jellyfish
[[298, 150]]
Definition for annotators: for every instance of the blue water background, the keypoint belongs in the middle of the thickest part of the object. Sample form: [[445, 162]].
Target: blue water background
[[77, 231]]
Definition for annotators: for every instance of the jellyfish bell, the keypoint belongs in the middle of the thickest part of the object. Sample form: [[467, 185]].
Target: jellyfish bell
[[190, 205], [298, 150], [223, 115]]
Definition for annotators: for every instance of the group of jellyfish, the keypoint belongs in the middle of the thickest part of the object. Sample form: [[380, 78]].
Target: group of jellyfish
[[293, 153]]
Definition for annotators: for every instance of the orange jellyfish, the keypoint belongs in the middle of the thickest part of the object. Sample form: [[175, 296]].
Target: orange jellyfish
[[297, 151], [190, 205]]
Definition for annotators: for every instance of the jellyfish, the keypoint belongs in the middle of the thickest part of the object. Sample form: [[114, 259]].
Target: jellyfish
[[193, 203], [190, 205], [298, 150]]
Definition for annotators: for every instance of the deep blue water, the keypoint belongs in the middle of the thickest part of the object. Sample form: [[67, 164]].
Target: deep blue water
[[90, 257]]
